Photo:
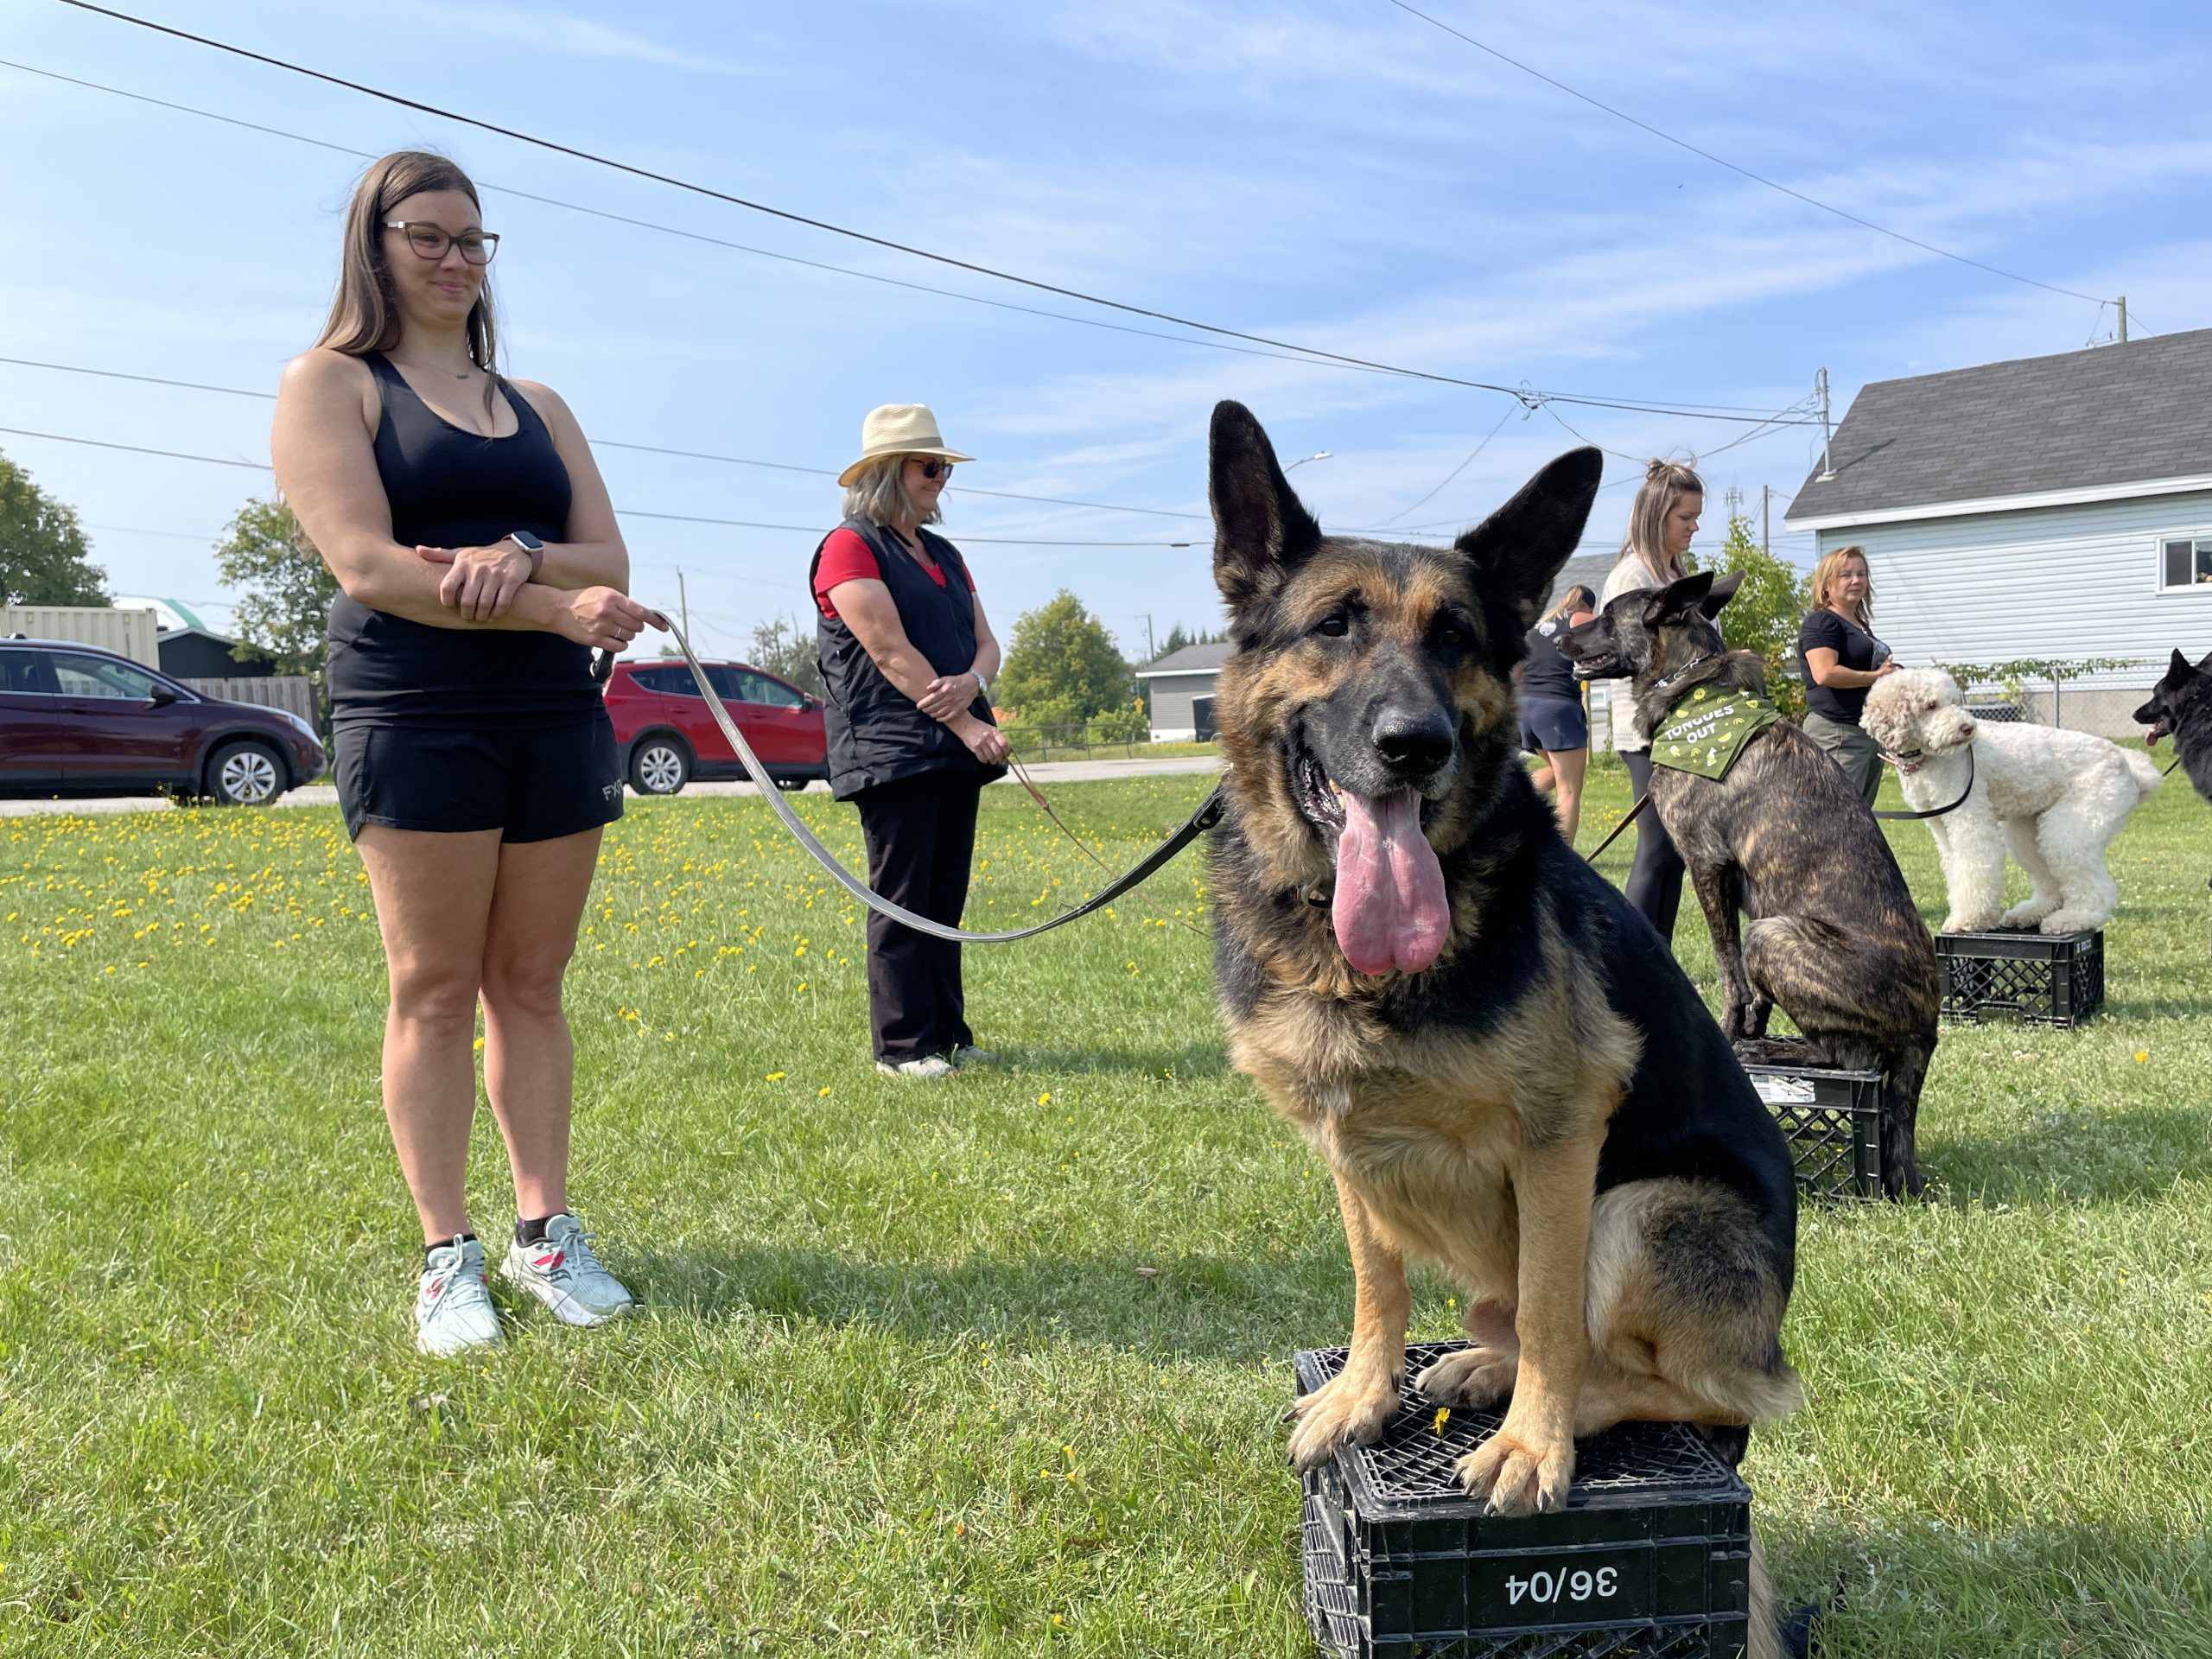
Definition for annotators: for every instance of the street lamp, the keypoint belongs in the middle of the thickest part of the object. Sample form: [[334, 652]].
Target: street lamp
[[1319, 456]]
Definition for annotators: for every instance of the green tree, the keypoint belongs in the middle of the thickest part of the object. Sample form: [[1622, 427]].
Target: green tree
[[1063, 667], [1179, 636], [285, 589], [42, 553], [785, 647], [1766, 612]]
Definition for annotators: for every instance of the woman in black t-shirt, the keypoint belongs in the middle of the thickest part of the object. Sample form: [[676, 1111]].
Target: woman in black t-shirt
[[1553, 719], [1841, 658], [479, 563]]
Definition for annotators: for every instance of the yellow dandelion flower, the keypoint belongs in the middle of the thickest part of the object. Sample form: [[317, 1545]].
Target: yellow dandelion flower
[[1443, 1416], [775, 1076]]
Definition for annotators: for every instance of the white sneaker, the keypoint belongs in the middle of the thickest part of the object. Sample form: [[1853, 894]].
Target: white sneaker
[[929, 1068], [562, 1272], [453, 1307]]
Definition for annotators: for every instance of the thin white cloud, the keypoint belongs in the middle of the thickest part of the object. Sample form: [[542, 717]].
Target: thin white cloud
[[548, 30]]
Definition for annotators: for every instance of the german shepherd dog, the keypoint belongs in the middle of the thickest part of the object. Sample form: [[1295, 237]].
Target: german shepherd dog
[[1835, 939], [2181, 708], [1504, 1069]]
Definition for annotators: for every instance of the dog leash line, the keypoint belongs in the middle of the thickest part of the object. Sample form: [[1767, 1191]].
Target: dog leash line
[[1207, 815], [1641, 802], [1933, 811]]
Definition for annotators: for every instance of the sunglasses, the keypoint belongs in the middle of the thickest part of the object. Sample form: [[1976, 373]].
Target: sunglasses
[[937, 469]]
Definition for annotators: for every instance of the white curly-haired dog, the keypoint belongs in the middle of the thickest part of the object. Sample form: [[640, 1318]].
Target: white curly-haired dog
[[2056, 797]]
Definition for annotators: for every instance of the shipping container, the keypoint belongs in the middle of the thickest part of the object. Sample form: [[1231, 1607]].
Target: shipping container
[[129, 633]]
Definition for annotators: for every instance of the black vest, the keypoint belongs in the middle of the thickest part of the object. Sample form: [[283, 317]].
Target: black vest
[[876, 734]]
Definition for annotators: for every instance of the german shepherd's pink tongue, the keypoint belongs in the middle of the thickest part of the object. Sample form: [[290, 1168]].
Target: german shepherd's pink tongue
[[1390, 909]]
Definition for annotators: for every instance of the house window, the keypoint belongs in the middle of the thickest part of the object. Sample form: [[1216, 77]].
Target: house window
[[2185, 561]]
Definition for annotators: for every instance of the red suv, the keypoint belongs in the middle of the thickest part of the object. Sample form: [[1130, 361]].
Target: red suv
[[75, 720], [668, 736]]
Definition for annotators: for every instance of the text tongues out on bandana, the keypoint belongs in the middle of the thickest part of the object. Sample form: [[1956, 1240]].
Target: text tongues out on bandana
[[1390, 909]]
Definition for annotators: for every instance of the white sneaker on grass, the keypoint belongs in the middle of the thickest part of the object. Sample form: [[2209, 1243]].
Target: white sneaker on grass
[[929, 1068], [453, 1307], [563, 1273]]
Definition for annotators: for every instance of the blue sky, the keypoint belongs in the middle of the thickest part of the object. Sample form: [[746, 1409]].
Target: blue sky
[[1338, 174]]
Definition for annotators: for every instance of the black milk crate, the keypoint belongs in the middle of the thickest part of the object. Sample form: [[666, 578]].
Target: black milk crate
[[1649, 1559], [2048, 979], [1833, 1123]]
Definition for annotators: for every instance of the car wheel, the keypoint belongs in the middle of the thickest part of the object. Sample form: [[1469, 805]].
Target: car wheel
[[659, 766], [246, 774]]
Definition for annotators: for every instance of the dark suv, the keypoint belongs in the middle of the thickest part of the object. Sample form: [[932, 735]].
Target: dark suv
[[75, 720], [667, 735]]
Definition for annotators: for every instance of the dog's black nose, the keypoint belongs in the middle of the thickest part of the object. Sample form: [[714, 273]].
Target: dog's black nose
[[1413, 742]]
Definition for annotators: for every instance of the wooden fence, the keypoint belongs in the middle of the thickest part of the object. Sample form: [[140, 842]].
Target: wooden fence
[[293, 693]]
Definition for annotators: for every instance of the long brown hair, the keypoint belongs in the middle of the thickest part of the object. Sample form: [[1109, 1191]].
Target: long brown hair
[[364, 314], [1824, 577], [1665, 483]]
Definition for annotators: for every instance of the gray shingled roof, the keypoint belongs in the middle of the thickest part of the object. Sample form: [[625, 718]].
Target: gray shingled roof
[[1191, 659], [2081, 420]]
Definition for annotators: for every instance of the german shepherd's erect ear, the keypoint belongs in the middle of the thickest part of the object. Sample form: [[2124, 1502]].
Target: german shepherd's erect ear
[[1261, 530], [1703, 592], [1519, 548]]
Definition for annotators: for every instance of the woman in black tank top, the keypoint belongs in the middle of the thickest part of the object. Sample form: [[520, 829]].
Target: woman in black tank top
[[479, 563]]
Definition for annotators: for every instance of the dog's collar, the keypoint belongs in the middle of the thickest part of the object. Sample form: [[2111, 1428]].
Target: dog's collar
[[1684, 672], [1907, 763]]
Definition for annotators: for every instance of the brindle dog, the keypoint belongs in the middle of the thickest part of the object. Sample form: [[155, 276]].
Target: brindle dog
[[1836, 940], [1504, 1069], [2181, 708]]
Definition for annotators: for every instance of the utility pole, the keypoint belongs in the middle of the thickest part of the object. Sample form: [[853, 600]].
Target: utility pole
[[1766, 494], [684, 601], [1151, 651], [2122, 303], [1828, 464]]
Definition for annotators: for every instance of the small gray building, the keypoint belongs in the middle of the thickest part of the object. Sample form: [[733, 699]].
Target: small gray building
[[2051, 507], [1171, 683]]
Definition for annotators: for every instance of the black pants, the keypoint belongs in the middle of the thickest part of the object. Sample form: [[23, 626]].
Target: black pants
[[921, 841], [1654, 880]]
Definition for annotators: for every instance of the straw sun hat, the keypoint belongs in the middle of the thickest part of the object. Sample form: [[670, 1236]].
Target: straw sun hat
[[898, 429]]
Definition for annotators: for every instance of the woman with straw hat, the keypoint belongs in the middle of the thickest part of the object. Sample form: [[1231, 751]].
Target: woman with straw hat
[[906, 660]]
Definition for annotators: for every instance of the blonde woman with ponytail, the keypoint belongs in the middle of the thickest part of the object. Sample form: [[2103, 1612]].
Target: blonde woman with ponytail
[[1660, 528], [1842, 659]]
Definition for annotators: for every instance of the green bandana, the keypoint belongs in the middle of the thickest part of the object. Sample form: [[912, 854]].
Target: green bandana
[[1706, 730]]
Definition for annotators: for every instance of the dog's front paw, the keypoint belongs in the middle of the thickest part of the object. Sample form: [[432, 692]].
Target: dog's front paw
[[1518, 1473], [2028, 913], [1968, 922], [1470, 1377], [1350, 1409]]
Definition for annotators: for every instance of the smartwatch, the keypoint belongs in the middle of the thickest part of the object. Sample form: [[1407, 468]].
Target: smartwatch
[[531, 545]]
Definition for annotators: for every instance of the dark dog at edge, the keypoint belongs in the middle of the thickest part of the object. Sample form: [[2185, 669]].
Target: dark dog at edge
[[1504, 1069], [1835, 938], [2181, 708]]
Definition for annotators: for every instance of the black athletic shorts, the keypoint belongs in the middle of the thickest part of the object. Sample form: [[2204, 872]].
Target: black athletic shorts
[[533, 783], [1555, 723]]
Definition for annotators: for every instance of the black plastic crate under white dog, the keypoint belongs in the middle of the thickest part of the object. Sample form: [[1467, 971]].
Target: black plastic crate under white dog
[[1650, 1559]]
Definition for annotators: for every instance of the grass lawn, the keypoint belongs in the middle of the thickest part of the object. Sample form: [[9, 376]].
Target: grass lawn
[[989, 1367]]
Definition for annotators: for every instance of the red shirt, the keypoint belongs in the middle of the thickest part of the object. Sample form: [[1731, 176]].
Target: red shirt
[[847, 557]]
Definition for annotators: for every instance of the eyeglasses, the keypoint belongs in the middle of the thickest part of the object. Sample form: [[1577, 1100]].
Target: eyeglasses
[[935, 468], [431, 241]]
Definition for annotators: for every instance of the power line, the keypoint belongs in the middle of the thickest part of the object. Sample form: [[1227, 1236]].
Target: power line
[[626, 512], [1449, 476], [787, 214], [1718, 160], [606, 444]]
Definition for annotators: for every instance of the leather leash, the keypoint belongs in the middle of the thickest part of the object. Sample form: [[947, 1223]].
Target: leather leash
[[1643, 801], [1933, 811], [1208, 815]]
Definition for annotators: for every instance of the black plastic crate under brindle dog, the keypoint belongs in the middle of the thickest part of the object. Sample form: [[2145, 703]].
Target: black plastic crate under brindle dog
[[1834, 1123], [2047, 979], [1649, 1559]]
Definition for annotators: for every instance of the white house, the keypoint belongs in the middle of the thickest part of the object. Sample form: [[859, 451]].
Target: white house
[[2055, 507]]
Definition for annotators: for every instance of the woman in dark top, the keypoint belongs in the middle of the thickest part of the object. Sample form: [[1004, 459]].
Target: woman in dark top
[[1552, 719], [1841, 658], [478, 564], [906, 660]]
